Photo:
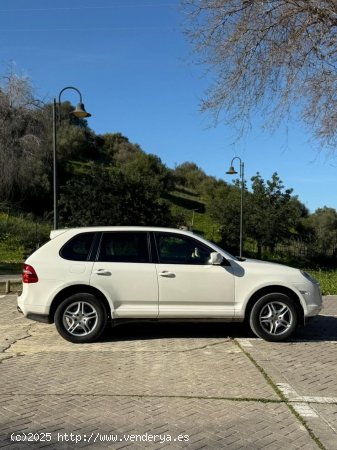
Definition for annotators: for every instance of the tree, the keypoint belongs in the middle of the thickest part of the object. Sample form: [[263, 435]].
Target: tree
[[189, 175], [272, 212], [107, 196], [224, 207], [22, 132], [324, 229], [149, 168], [272, 55]]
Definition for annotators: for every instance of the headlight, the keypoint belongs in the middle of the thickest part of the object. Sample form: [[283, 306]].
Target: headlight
[[309, 277]]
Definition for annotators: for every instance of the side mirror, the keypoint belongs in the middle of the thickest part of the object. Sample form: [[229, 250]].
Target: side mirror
[[215, 259]]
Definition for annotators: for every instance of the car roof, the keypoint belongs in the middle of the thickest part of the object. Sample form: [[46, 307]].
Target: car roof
[[55, 233]]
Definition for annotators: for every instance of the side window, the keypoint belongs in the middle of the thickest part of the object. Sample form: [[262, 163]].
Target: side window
[[124, 247], [78, 248], [174, 249]]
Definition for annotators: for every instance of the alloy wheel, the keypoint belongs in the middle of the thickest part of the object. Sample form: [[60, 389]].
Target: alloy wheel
[[80, 318]]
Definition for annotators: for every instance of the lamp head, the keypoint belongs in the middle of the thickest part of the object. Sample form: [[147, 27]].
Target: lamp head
[[80, 111], [231, 171]]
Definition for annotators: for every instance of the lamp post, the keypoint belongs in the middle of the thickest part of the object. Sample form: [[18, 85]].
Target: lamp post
[[232, 171], [79, 112]]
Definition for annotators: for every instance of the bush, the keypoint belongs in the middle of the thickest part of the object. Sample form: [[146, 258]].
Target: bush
[[327, 279], [19, 236]]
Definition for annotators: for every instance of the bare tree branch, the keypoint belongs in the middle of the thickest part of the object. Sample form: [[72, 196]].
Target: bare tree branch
[[21, 137], [269, 56]]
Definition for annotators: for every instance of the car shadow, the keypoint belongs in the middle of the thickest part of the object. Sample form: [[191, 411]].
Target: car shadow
[[147, 330], [321, 328]]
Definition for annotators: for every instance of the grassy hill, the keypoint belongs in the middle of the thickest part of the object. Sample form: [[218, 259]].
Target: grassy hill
[[190, 205], [19, 235]]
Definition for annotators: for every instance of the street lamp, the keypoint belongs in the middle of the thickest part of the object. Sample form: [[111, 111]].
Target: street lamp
[[79, 112], [232, 171]]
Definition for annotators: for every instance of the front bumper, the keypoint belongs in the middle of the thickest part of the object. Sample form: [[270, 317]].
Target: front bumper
[[313, 301]]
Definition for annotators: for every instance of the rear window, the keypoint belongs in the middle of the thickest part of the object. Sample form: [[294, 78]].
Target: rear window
[[78, 248], [124, 247]]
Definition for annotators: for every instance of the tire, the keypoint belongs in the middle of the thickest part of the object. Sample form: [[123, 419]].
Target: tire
[[80, 318], [274, 317]]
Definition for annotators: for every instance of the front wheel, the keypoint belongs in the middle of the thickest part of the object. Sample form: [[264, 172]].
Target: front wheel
[[274, 317], [80, 318]]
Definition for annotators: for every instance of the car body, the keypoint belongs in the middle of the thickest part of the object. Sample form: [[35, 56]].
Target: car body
[[84, 278]]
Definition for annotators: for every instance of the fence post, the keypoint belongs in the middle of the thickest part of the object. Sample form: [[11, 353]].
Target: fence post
[[8, 287]]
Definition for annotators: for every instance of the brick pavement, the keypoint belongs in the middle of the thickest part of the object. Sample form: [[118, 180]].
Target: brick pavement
[[305, 371], [169, 380]]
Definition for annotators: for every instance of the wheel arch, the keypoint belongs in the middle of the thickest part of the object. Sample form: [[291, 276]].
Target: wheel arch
[[275, 289], [76, 289]]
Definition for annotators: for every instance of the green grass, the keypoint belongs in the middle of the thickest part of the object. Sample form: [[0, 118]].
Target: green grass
[[327, 280], [11, 254], [192, 207], [20, 235]]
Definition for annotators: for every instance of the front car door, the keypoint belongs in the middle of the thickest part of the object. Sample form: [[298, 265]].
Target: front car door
[[190, 287], [125, 273]]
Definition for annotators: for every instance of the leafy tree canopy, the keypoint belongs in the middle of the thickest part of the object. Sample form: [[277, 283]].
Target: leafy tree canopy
[[272, 212], [323, 224], [107, 196]]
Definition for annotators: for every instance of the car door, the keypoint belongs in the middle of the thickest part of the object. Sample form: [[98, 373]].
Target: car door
[[125, 273], [189, 286]]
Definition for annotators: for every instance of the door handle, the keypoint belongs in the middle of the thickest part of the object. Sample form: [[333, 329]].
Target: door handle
[[167, 274], [102, 272]]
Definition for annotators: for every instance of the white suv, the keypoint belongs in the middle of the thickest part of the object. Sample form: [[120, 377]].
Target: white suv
[[86, 277]]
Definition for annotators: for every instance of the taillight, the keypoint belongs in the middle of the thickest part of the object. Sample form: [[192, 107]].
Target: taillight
[[28, 274]]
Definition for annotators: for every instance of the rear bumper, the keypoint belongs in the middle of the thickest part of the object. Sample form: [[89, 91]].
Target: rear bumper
[[39, 318], [44, 318], [29, 305]]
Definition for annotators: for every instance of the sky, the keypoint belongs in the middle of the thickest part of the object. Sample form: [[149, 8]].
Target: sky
[[138, 76]]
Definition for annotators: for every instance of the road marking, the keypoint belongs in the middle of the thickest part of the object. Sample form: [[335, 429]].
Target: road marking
[[301, 402], [244, 342], [289, 392], [304, 410]]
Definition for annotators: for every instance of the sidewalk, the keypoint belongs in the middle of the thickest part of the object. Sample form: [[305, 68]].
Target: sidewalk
[[197, 386]]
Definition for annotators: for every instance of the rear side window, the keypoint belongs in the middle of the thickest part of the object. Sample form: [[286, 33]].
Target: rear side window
[[124, 247], [78, 248]]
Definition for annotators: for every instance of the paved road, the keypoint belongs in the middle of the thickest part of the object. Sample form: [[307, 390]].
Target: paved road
[[155, 386]]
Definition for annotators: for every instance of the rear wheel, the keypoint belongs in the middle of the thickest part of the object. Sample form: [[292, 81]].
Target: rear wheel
[[80, 318], [274, 317]]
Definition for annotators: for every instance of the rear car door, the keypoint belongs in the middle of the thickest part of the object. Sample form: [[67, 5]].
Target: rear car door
[[125, 273]]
